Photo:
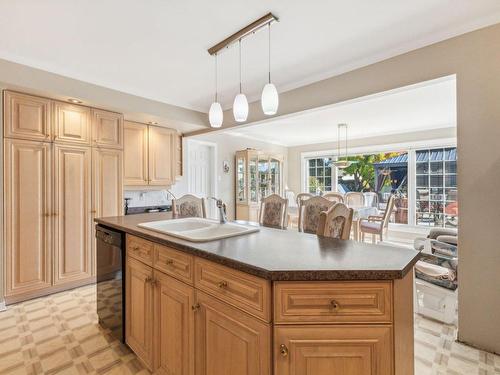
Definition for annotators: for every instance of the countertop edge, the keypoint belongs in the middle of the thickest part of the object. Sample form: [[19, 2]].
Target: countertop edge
[[288, 275]]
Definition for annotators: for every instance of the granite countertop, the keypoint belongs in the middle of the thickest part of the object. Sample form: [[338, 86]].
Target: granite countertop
[[276, 254]]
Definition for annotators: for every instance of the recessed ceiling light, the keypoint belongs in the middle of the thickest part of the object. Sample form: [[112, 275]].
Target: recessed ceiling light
[[76, 101], [152, 123]]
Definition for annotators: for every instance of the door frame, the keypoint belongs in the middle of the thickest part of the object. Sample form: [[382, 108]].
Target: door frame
[[214, 176]]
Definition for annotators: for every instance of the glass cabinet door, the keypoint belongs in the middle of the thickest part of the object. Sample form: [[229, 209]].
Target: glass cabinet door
[[263, 178], [275, 176], [240, 179], [253, 178]]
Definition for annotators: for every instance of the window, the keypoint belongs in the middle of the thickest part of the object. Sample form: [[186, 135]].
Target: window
[[319, 174], [436, 187]]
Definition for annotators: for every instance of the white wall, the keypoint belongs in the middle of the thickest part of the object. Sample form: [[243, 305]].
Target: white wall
[[227, 145]]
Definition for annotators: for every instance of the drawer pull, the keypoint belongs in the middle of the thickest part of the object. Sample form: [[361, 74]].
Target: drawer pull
[[283, 350], [169, 262], [334, 305], [136, 248], [148, 280], [195, 307], [222, 284]]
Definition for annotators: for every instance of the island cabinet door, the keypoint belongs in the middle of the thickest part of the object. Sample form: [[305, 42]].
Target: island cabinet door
[[173, 326], [228, 341], [139, 305], [328, 350]]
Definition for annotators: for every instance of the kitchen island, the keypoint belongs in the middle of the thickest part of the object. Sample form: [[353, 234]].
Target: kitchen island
[[271, 302]]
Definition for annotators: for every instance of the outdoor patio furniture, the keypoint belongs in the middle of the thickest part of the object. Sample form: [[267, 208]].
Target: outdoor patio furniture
[[334, 197], [189, 206], [309, 213], [377, 225], [273, 212], [354, 199], [336, 222]]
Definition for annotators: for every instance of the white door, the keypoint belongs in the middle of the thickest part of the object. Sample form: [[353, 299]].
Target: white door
[[201, 174]]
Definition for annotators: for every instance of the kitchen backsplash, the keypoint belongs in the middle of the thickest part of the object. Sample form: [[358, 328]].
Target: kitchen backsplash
[[142, 198]]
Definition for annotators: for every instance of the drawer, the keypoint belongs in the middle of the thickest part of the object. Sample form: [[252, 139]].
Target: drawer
[[333, 302], [174, 263], [140, 249], [247, 292]]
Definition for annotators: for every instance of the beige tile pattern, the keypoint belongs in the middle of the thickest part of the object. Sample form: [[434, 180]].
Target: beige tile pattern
[[59, 334]]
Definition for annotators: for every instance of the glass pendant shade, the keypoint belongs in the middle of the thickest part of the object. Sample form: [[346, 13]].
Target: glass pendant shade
[[215, 115], [240, 108], [270, 99]]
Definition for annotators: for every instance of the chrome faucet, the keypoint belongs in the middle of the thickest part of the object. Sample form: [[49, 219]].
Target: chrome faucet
[[222, 210]]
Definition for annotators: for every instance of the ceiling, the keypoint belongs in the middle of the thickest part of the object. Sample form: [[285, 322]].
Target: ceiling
[[426, 106], [157, 49]]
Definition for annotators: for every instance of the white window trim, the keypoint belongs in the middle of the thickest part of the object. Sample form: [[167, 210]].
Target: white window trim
[[410, 147]]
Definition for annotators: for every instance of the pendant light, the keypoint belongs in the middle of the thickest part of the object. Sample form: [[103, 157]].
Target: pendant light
[[339, 163], [215, 115], [269, 98], [240, 105]]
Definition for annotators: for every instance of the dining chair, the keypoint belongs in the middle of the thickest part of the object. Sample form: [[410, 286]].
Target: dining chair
[[273, 212], [371, 199], [354, 199], [334, 197], [302, 197], [336, 222], [309, 213], [377, 225], [189, 206]]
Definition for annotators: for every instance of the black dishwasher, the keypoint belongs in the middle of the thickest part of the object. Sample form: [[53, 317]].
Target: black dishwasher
[[110, 280]]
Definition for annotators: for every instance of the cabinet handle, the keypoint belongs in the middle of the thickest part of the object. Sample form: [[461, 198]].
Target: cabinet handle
[[148, 280], [283, 350], [334, 305], [169, 262], [47, 214], [195, 307], [222, 284], [135, 248]]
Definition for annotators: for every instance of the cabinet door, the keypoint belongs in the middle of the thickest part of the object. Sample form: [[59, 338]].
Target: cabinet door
[[228, 341], [26, 117], [28, 230], [139, 310], [178, 156], [71, 124], [107, 182], [327, 350], [174, 326], [161, 156], [72, 205], [107, 129], [135, 154]]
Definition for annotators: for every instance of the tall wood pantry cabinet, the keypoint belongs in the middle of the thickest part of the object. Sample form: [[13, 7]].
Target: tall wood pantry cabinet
[[62, 167], [153, 155]]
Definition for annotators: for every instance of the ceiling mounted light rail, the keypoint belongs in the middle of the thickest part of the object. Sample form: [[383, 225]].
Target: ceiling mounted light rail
[[269, 97]]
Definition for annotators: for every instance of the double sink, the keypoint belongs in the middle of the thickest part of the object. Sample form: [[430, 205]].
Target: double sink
[[198, 229]]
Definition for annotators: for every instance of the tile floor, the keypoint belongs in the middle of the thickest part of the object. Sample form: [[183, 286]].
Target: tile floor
[[59, 334]]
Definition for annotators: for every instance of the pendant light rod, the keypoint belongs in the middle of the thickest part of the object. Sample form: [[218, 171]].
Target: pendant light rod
[[239, 44], [242, 33], [216, 83], [269, 51]]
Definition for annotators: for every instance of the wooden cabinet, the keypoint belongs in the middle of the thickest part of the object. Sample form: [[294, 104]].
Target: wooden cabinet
[[229, 341], [326, 350], [139, 308], [153, 155], [107, 129], [27, 117], [174, 326], [55, 184], [72, 124], [135, 154], [161, 156], [28, 210], [107, 182], [73, 217]]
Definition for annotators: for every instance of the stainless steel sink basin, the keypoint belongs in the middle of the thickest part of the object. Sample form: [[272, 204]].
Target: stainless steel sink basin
[[199, 230]]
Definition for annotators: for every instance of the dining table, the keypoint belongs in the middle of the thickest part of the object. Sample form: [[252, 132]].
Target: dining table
[[361, 212]]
